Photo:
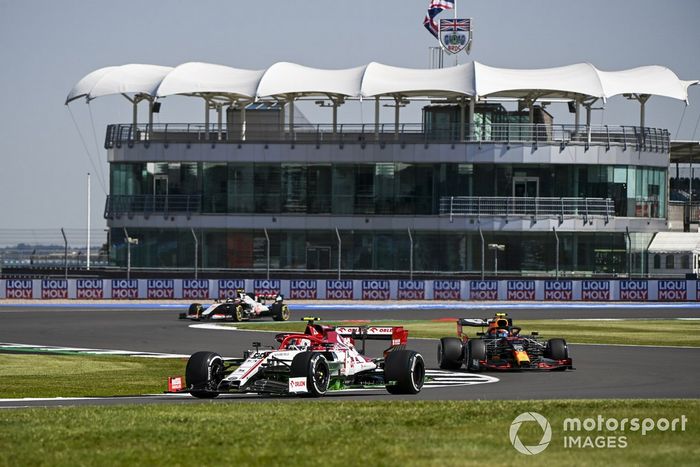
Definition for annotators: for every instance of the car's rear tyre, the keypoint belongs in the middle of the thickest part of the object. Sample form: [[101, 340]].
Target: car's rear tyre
[[404, 372], [475, 352], [450, 353], [314, 367], [237, 313], [280, 312], [556, 349], [204, 372]]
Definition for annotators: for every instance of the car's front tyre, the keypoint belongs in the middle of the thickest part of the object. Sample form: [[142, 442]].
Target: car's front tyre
[[203, 373], [315, 368]]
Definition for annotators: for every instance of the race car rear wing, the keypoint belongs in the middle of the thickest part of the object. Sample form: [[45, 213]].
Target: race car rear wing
[[396, 334]]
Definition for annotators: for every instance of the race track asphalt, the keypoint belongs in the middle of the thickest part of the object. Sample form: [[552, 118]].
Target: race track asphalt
[[602, 371]]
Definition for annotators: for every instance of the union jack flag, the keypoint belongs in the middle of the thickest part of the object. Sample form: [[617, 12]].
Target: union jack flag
[[434, 9], [455, 24]]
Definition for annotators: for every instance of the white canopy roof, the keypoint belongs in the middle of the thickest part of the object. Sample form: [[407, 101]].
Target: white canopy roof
[[125, 79], [289, 78], [385, 80], [201, 78], [375, 79], [675, 242]]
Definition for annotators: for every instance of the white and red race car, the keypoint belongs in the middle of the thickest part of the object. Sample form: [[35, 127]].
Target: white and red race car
[[244, 307], [321, 359]]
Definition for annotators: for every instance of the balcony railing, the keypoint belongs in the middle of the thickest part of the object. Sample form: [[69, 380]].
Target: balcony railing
[[117, 205], [488, 206], [637, 138]]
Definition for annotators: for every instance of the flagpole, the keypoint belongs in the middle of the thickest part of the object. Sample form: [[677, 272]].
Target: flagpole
[[455, 17]]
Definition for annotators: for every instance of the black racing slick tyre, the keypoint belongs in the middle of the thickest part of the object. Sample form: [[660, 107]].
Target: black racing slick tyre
[[450, 354], [314, 367], [475, 352], [204, 372], [404, 372], [280, 312], [556, 349]]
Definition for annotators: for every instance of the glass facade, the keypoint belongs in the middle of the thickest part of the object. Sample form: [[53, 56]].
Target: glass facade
[[373, 250], [390, 188]]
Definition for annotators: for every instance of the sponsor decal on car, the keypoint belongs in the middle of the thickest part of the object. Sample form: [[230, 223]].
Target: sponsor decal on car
[[303, 289], [375, 290], [160, 288], [195, 289], [54, 288], [227, 287], [521, 290], [338, 290], [634, 290], [175, 383], [266, 286], [673, 291], [592, 290], [18, 288], [411, 290], [483, 290], [125, 289], [562, 291], [297, 385], [446, 290], [89, 289]]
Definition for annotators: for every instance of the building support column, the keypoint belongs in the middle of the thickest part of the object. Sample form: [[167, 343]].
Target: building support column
[[376, 118]]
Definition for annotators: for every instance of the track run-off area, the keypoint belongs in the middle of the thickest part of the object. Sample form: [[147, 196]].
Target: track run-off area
[[147, 329]]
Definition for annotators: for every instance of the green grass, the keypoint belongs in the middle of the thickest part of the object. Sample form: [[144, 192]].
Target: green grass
[[334, 433], [23, 375], [631, 332]]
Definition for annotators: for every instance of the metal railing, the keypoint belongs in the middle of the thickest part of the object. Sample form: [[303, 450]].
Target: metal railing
[[117, 205], [648, 139], [491, 206]]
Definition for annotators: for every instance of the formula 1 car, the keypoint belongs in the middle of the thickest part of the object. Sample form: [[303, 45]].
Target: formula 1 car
[[245, 306], [321, 359], [501, 347]]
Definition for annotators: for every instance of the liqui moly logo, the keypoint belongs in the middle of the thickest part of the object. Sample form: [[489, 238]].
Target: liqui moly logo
[[195, 289], [89, 289], [303, 289], [125, 289], [562, 291], [375, 290], [634, 290], [160, 288], [672, 291], [18, 288], [266, 286], [483, 290], [339, 290], [446, 290], [228, 287], [54, 288], [411, 290], [521, 290], [593, 291]]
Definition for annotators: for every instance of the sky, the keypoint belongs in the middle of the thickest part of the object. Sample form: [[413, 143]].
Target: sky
[[47, 148]]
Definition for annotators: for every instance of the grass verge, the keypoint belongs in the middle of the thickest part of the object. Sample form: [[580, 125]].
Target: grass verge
[[84, 376], [631, 332], [340, 433]]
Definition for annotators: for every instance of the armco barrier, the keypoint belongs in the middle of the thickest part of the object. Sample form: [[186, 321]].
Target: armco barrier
[[520, 290]]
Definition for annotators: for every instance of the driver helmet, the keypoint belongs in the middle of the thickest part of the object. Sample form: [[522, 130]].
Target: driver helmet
[[502, 333]]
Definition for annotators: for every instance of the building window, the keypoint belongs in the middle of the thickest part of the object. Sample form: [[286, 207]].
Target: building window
[[670, 262], [657, 261], [685, 262]]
